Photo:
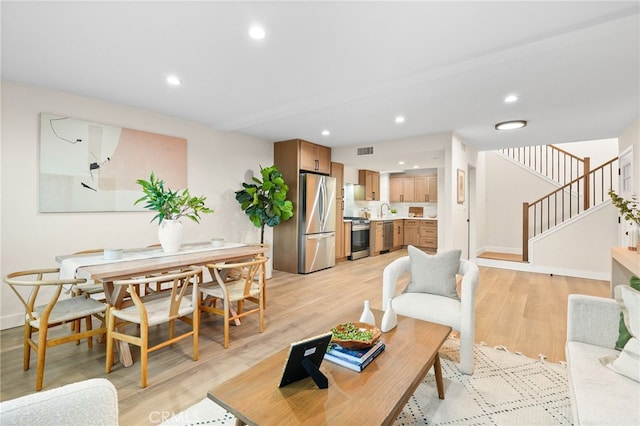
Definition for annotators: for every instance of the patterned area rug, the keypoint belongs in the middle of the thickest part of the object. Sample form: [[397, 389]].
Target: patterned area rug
[[505, 389]]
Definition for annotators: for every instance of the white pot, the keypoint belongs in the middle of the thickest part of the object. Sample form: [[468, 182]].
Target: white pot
[[170, 235]]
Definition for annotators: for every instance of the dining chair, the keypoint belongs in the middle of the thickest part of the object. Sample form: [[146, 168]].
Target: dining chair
[[45, 286], [166, 307], [89, 287], [237, 282]]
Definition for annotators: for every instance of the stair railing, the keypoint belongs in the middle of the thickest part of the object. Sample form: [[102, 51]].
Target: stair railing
[[550, 161], [571, 199]]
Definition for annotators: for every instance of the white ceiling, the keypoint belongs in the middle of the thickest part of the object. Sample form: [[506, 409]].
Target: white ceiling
[[349, 67]]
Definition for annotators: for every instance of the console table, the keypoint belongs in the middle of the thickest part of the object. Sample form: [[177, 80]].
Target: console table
[[625, 263]]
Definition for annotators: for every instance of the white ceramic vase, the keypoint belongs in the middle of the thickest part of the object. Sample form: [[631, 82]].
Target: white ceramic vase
[[367, 316], [389, 319], [170, 235]]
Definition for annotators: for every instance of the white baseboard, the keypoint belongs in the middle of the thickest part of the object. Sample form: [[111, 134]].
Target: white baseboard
[[527, 267]]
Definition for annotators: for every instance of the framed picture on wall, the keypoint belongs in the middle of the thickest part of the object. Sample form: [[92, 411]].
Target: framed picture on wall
[[460, 186], [93, 167]]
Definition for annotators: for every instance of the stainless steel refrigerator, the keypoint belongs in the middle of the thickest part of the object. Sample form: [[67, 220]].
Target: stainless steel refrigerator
[[317, 223]]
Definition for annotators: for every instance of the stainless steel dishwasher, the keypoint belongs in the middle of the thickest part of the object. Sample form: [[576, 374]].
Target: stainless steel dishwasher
[[387, 235]]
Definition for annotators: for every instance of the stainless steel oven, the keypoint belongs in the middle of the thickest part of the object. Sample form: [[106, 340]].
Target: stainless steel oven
[[359, 237]]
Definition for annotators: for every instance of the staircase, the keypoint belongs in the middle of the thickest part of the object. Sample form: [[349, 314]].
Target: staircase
[[579, 188]]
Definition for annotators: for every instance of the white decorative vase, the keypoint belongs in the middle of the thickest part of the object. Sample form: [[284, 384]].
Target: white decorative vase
[[389, 319], [170, 235], [632, 234], [367, 316]]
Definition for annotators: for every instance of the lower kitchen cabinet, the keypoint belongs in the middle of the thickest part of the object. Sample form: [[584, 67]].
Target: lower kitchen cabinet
[[429, 234], [411, 233], [375, 237], [398, 234]]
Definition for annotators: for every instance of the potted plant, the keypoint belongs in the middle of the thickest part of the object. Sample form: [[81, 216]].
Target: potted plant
[[265, 201], [170, 207], [630, 211]]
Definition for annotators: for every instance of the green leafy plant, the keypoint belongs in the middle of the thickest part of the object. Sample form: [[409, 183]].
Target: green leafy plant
[[629, 209], [265, 201], [170, 205]]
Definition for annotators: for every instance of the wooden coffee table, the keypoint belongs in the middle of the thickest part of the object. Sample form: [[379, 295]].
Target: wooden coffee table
[[374, 396]]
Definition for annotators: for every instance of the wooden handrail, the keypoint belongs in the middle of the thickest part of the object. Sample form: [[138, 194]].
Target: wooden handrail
[[550, 161], [565, 202]]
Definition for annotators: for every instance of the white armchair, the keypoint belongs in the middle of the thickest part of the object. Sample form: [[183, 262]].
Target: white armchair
[[458, 314]]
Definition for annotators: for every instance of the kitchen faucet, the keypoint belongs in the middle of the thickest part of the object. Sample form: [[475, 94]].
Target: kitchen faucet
[[382, 205]]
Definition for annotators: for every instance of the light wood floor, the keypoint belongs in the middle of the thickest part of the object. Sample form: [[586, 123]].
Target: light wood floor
[[525, 312]]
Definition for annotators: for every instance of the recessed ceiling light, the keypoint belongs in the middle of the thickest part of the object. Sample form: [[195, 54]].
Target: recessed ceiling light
[[401, 162], [399, 119], [326, 133], [416, 166], [174, 80], [510, 125], [257, 33], [511, 99]]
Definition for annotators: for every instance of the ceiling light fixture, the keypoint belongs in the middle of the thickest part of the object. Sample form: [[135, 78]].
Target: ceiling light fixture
[[510, 125], [173, 80], [399, 119], [326, 133], [257, 33], [511, 99], [401, 162]]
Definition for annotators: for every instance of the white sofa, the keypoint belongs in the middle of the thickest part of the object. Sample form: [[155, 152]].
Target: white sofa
[[599, 395], [89, 402]]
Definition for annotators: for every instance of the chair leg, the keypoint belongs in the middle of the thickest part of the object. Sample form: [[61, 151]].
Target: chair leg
[[196, 332], [110, 328], [42, 352], [89, 328], [466, 353], [144, 353], [227, 307], [261, 312], [26, 357]]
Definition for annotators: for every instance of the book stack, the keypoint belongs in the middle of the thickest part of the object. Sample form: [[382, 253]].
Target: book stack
[[356, 360]]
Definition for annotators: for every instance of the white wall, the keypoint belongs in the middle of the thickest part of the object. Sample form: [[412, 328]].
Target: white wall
[[218, 163], [581, 248], [599, 151]]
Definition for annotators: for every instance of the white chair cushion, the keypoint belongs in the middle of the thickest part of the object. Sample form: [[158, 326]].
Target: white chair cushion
[[429, 307], [433, 274], [593, 386], [157, 311], [70, 309], [627, 362]]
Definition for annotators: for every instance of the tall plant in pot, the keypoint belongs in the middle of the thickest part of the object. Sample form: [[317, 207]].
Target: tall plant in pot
[[265, 201], [630, 211], [170, 207]]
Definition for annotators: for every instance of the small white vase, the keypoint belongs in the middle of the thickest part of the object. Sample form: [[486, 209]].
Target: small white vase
[[634, 237], [170, 235], [389, 319], [367, 316]]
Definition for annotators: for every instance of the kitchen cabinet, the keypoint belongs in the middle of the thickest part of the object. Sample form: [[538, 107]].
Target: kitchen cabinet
[[375, 237], [347, 239], [337, 171], [428, 230], [402, 189], [315, 158], [368, 188], [398, 234], [411, 233], [426, 189]]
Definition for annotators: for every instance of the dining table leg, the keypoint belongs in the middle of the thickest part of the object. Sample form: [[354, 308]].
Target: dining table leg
[[114, 296]]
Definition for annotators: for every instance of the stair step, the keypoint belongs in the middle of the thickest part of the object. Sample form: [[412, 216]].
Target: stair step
[[501, 256]]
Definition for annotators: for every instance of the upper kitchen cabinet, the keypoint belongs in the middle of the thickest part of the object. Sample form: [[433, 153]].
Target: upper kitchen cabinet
[[426, 189], [368, 188], [421, 189], [402, 189], [315, 158]]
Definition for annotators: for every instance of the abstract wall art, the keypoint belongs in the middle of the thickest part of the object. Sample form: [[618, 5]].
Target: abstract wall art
[[93, 167]]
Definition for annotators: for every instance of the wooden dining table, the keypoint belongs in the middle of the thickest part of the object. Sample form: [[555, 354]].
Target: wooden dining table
[[146, 261]]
